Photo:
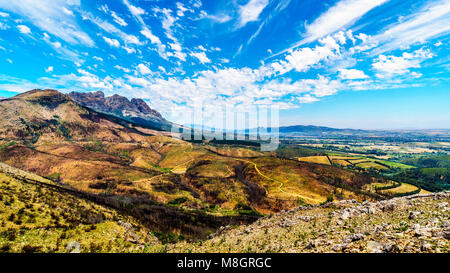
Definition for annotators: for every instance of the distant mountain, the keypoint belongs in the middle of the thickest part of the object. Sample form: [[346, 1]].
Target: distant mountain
[[311, 130], [315, 129], [136, 110]]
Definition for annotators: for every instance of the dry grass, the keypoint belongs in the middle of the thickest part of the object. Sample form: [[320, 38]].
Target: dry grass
[[368, 165], [288, 180], [315, 159], [235, 152], [403, 188], [341, 162], [214, 169]]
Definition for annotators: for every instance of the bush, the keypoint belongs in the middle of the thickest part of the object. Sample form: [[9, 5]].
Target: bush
[[30, 249], [178, 201], [56, 177]]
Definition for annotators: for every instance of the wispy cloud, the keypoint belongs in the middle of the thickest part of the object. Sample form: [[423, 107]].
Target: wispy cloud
[[111, 29], [201, 56], [352, 74], [250, 12], [279, 8], [429, 22], [219, 18], [340, 16], [137, 13], [112, 42], [49, 16], [119, 20]]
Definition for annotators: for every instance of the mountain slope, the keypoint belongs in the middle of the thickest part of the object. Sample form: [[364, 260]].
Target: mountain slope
[[39, 219], [47, 115], [418, 223]]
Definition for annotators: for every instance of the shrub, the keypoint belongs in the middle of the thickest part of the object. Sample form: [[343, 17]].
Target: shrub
[[30, 249]]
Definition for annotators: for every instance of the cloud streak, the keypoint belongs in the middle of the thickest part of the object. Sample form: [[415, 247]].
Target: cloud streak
[[48, 16]]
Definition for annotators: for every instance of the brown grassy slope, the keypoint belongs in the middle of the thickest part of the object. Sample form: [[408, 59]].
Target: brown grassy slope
[[83, 170], [310, 183], [409, 224], [47, 115]]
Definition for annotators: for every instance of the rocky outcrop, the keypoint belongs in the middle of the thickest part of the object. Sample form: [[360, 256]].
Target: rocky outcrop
[[115, 104], [417, 223]]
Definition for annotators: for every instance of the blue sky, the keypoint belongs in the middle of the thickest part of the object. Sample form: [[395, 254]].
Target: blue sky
[[347, 64]]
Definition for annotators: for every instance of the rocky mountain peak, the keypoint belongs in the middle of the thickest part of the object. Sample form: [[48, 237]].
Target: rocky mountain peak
[[144, 108], [118, 105]]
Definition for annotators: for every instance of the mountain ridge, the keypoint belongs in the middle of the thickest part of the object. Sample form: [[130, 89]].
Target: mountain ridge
[[50, 115], [135, 110]]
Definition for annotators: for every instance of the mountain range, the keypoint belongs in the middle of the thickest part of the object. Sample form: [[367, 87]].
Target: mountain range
[[135, 110]]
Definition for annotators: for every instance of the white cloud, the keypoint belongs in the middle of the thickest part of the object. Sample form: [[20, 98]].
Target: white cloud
[[48, 16], [49, 69], [112, 42], [431, 21], [343, 14], [137, 81], [143, 69], [121, 84], [323, 86], [340, 16], [120, 21], [168, 23], [67, 11], [129, 50], [98, 59], [3, 26], [389, 66], [111, 29], [202, 48], [352, 74], [136, 11], [219, 18], [303, 59], [4, 14], [201, 56], [89, 80], [24, 29], [282, 5], [145, 31], [126, 70], [175, 46], [307, 99], [250, 12]]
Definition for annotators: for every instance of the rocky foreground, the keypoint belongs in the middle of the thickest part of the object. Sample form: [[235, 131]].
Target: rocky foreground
[[418, 223]]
